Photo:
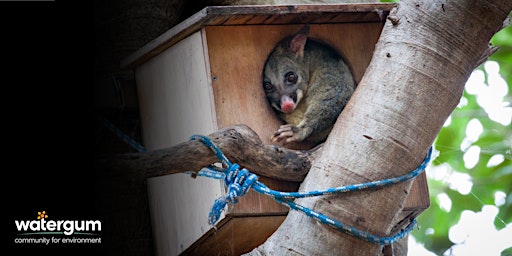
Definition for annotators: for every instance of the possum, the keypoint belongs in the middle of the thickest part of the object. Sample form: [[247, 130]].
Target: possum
[[307, 83]]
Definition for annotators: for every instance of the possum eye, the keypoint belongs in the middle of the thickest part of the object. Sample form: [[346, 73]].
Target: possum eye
[[268, 86], [290, 78]]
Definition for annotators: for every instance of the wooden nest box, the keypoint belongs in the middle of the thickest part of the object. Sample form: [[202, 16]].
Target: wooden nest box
[[205, 74]]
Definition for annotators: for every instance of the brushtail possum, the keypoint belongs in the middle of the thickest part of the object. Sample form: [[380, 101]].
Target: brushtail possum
[[308, 84]]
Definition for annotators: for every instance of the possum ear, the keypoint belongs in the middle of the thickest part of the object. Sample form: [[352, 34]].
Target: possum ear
[[299, 41]]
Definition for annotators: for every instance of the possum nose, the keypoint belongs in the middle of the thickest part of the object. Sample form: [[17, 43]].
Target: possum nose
[[287, 104]]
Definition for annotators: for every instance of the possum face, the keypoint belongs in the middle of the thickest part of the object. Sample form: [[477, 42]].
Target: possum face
[[284, 78], [282, 91]]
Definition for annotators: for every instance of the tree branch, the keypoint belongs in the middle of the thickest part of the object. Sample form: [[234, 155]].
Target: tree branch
[[239, 143]]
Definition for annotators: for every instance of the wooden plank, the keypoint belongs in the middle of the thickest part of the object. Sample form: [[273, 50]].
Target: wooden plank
[[166, 40], [418, 199], [236, 236], [259, 15], [176, 102]]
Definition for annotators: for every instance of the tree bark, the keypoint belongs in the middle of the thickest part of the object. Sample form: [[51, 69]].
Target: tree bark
[[239, 143], [426, 52]]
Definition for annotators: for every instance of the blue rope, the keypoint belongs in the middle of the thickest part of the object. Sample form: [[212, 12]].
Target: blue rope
[[238, 182], [124, 137]]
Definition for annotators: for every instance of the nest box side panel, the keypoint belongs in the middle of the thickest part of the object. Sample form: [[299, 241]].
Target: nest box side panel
[[175, 102]]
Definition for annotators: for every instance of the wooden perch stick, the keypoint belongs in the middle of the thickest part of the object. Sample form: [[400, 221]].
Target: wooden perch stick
[[239, 143]]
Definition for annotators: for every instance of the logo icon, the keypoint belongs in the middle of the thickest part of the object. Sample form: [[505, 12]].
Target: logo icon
[[42, 215]]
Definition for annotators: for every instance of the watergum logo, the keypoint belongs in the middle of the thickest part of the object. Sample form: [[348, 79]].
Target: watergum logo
[[42, 226]]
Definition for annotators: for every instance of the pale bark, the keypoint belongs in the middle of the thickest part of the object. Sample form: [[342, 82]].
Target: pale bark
[[426, 52]]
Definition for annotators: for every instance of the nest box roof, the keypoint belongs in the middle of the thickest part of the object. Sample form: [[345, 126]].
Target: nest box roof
[[259, 15]]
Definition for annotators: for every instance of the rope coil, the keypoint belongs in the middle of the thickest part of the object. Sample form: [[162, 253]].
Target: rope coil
[[239, 181]]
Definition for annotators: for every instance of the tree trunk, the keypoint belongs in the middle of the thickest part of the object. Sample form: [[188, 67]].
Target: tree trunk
[[426, 52]]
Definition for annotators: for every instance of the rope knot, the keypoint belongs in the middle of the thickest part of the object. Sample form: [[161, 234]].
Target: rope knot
[[238, 183]]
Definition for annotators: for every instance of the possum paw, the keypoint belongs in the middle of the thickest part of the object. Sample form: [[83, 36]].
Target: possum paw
[[289, 133]]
